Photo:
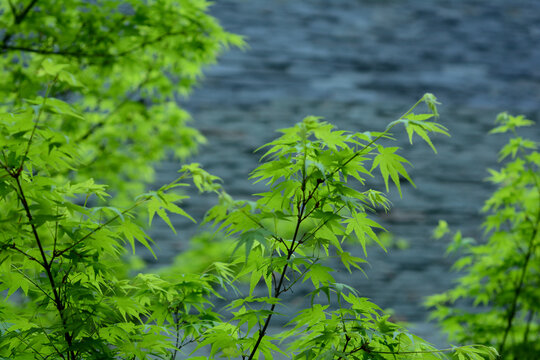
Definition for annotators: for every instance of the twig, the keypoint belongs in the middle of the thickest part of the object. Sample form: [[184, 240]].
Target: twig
[[40, 112], [17, 19]]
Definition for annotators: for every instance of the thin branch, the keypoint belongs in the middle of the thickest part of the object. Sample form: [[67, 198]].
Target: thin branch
[[26, 342], [177, 328], [81, 54], [278, 290], [365, 347], [20, 17], [32, 281], [409, 352], [150, 42], [26, 206], [114, 218], [55, 231], [347, 339], [111, 220], [530, 252], [513, 308], [300, 276], [12, 246], [51, 342], [38, 51], [384, 133], [117, 107], [46, 265], [17, 19], [13, 9], [40, 112], [312, 233], [262, 332]]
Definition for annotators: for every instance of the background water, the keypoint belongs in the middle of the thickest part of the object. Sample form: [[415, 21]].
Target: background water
[[360, 64]]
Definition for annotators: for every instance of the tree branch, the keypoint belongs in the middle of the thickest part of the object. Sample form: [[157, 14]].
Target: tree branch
[[47, 266], [81, 54], [20, 17], [32, 281], [519, 287], [12, 246], [278, 290], [17, 19], [102, 122]]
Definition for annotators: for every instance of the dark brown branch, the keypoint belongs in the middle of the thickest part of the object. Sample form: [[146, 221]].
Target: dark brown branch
[[519, 287], [17, 19], [262, 332], [278, 290], [47, 266], [12, 246], [13, 9], [81, 54], [347, 339], [530, 252], [20, 17]]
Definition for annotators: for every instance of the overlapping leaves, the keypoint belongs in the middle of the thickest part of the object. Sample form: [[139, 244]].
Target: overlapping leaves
[[317, 200], [500, 274], [63, 261]]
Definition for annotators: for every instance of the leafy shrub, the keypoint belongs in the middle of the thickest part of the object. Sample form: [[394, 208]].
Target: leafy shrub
[[501, 275], [62, 262]]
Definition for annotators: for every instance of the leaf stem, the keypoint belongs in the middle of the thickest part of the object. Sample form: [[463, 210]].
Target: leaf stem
[[385, 132]]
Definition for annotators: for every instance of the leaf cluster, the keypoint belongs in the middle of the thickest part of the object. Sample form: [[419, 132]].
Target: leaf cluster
[[500, 275], [68, 272], [317, 201], [122, 63], [63, 270]]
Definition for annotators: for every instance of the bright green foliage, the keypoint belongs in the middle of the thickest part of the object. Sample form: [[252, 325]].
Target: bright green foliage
[[123, 61], [314, 203], [501, 276], [66, 271], [114, 68], [63, 270]]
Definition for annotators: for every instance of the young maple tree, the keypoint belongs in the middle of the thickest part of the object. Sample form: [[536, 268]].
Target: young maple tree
[[312, 206], [501, 275]]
